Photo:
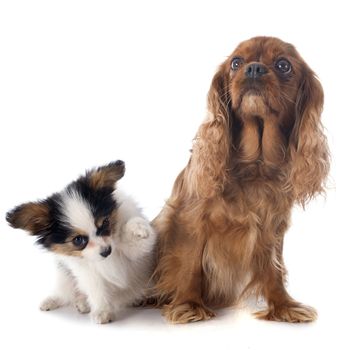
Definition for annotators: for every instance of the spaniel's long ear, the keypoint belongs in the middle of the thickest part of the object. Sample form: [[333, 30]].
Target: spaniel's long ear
[[211, 149], [219, 96], [309, 155]]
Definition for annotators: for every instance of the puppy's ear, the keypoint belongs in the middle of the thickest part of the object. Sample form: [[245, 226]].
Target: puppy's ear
[[106, 176], [33, 217]]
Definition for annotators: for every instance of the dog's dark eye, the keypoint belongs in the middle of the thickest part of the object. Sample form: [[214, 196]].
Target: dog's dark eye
[[236, 63], [105, 222], [80, 241], [104, 229], [283, 66]]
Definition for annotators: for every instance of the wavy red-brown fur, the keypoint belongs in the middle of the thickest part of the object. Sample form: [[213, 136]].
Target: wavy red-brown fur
[[254, 157]]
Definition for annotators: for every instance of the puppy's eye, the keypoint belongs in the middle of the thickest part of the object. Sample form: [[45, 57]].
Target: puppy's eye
[[80, 241], [283, 66], [236, 63], [104, 229], [105, 222]]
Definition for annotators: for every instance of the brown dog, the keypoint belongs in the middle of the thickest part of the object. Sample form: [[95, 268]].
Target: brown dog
[[260, 151]]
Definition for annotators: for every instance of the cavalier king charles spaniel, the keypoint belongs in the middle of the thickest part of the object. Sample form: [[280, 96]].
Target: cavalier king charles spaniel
[[260, 151]]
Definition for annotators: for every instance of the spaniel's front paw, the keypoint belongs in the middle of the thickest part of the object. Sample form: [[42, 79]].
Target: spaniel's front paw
[[293, 313], [187, 312]]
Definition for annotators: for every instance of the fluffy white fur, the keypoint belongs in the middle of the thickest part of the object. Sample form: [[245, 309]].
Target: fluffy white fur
[[105, 286]]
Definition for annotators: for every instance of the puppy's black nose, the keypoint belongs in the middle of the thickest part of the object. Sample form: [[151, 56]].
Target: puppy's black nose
[[255, 70], [107, 251]]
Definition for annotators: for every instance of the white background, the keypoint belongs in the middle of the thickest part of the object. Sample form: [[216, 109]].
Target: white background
[[83, 83]]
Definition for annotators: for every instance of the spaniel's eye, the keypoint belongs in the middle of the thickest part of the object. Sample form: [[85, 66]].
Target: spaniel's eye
[[236, 63], [283, 66], [80, 241]]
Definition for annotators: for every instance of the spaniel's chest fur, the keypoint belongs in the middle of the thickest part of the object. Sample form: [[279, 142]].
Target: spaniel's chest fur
[[235, 250]]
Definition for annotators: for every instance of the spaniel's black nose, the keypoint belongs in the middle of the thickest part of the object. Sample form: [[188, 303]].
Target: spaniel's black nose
[[255, 70]]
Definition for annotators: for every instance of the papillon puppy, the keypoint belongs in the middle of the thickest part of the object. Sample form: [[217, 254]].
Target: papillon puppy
[[103, 244]]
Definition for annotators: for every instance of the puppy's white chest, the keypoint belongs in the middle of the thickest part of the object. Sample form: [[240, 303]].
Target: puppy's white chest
[[110, 271], [115, 270]]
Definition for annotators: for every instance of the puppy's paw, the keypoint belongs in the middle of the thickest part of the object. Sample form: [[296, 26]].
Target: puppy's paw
[[187, 312], [138, 228], [293, 313], [103, 316], [82, 305], [51, 303]]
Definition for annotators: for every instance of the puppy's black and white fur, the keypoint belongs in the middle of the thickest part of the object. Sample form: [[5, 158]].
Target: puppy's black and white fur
[[103, 244]]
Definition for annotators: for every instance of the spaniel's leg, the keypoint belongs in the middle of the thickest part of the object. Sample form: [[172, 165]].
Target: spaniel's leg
[[281, 306], [180, 280]]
